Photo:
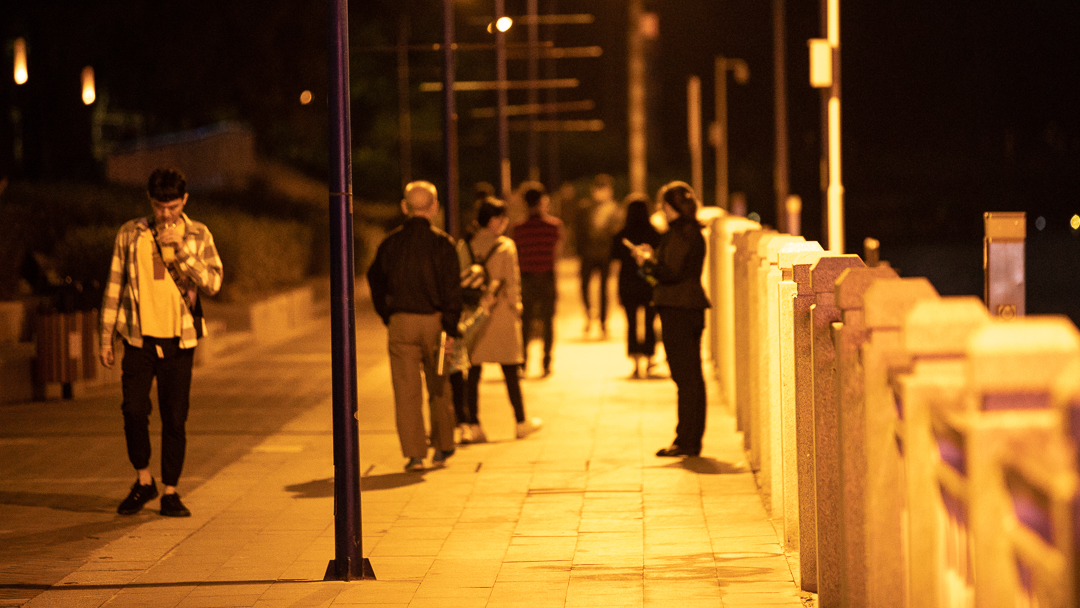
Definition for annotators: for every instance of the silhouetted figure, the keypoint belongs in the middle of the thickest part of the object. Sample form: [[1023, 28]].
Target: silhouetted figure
[[635, 293], [597, 222], [539, 241]]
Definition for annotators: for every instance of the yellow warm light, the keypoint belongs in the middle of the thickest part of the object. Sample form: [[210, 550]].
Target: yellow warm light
[[20, 61], [820, 63], [305, 98], [1074, 221], [88, 93], [504, 23], [832, 12]]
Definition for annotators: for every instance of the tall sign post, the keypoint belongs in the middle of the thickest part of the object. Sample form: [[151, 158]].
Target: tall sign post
[[349, 562]]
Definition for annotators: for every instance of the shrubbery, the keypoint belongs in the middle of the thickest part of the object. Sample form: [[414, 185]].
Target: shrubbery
[[54, 235]]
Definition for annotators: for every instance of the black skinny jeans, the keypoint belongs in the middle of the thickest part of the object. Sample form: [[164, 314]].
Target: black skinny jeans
[[468, 407], [172, 368], [682, 342]]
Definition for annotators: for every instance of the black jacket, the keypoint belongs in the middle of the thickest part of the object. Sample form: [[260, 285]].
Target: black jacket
[[416, 271], [677, 266]]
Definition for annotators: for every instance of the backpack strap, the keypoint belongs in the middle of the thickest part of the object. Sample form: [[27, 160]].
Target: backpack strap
[[482, 261]]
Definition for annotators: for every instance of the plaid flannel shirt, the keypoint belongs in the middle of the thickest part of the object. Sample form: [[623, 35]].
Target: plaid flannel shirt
[[197, 262]]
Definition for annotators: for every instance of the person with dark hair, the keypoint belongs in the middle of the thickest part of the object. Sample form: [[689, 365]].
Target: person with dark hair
[[498, 338], [635, 293], [160, 263], [598, 220], [539, 241], [415, 290], [675, 267]]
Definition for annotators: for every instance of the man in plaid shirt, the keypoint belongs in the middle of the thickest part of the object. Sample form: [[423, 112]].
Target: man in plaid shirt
[[160, 263]]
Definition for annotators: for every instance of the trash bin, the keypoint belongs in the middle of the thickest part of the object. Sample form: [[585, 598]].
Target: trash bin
[[65, 349]]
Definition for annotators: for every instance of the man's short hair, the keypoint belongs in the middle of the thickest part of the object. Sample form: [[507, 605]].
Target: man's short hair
[[603, 180], [166, 185], [533, 193], [414, 205]]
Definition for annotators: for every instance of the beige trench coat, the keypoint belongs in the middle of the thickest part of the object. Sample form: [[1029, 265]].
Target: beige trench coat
[[498, 339]]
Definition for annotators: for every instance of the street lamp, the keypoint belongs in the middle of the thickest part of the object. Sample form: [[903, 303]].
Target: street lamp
[[825, 75], [20, 61], [741, 72]]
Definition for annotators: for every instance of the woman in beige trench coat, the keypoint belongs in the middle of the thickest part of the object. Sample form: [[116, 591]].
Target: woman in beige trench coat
[[498, 339]]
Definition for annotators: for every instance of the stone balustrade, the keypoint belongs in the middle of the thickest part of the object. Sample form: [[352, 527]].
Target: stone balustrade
[[913, 450]]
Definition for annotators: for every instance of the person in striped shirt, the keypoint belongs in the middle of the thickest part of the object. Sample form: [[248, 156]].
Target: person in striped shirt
[[539, 242], [160, 264]]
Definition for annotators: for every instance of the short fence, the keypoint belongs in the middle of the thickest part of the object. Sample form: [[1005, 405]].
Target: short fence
[[914, 449]]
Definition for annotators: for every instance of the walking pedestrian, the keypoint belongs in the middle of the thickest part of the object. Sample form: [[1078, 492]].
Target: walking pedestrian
[[635, 293], [415, 289], [598, 221], [675, 266], [498, 338], [160, 263], [539, 241]]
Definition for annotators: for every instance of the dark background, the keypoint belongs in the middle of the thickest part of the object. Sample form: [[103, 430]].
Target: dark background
[[949, 109]]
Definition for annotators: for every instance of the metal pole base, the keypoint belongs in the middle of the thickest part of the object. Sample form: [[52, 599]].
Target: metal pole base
[[347, 573]]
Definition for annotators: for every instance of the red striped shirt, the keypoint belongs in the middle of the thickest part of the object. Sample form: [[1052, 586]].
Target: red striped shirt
[[536, 239]]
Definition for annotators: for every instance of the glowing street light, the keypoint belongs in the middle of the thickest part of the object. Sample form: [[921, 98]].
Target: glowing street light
[[20, 61], [825, 75], [88, 92]]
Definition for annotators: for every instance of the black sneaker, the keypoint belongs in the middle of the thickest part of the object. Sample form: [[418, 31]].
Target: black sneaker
[[172, 507], [139, 496]]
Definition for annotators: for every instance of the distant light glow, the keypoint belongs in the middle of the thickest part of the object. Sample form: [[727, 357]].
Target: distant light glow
[[1040, 223], [820, 63], [88, 92], [1074, 222], [20, 61], [504, 23], [305, 98], [649, 26]]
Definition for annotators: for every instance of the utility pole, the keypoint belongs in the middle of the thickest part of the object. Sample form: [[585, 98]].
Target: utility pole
[[500, 75], [450, 117], [780, 113], [636, 110], [349, 562]]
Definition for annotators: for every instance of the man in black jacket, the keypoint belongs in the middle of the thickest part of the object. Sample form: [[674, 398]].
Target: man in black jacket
[[415, 289]]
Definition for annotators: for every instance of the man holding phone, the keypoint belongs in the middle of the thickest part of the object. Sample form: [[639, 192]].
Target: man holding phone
[[160, 263]]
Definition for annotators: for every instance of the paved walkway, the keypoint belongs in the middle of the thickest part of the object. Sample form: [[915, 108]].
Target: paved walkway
[[578, 514]]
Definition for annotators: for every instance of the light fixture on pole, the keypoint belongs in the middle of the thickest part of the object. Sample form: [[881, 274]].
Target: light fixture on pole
[[20, 61], [718, 132], [825, 74]]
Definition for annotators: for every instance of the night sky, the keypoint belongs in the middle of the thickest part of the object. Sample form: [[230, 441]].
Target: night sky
[[949, 108]]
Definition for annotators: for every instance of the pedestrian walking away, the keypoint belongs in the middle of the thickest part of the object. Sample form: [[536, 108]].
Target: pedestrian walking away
[[160, 264], [415, 290], [539, 241], [675, 270], [598, 221], [635, 292], [498, 338]]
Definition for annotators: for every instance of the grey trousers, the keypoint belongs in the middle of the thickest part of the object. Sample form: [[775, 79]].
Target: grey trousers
[[414, 349]]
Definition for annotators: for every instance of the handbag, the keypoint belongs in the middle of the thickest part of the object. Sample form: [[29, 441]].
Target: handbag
[[190, 298]]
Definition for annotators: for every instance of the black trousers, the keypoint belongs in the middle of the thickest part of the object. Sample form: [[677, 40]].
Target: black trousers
[[162, 359], [538, 302], [647, 345], [588, 268], [682, 343], [472, 394]]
